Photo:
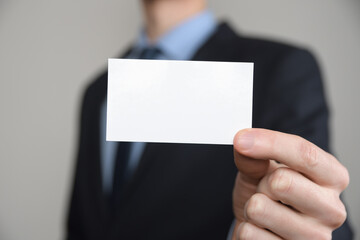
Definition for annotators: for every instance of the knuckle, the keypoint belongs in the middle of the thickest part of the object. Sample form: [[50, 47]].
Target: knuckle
[[309, 153], [322, 235], [342, 173], [339, 216], [255, 208], [345, 179], [280, 181], [245, 231]]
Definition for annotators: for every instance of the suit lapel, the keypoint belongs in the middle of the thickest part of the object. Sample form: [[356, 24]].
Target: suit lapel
[[100, 96]]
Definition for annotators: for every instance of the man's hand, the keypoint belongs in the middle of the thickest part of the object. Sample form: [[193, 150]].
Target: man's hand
[[286, 187]]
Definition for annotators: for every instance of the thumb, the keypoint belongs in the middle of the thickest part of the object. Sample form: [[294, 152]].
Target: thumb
[[252, 169]]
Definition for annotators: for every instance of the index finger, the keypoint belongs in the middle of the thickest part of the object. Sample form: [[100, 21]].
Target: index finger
[[293, 151]]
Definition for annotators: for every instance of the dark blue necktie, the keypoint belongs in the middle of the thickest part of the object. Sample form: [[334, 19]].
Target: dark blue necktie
[[121, 161], [149, 53], [123, 150]]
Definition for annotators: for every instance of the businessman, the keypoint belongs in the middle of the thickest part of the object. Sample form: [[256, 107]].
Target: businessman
[[284, 184]]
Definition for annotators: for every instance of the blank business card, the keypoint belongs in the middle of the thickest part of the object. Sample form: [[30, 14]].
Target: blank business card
[[178, 101]]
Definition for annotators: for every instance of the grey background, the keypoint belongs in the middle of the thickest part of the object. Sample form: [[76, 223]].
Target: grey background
[[49, 49]]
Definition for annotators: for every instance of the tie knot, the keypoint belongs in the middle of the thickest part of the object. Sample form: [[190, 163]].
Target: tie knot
[[149, 53]]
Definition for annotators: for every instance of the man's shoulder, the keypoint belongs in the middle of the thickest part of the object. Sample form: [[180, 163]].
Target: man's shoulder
[[96, 88], [97, 84], [254, 42], [228, 44]]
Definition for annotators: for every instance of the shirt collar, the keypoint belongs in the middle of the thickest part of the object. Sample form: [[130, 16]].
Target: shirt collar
[[182, 42]]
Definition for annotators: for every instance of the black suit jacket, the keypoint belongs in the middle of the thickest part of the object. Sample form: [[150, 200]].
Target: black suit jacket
[[184, 191]]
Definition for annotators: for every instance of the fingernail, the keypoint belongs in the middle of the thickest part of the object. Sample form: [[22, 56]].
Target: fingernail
[[246, 140]]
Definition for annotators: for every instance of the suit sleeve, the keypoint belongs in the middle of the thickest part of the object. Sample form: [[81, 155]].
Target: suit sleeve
[[299, 106]]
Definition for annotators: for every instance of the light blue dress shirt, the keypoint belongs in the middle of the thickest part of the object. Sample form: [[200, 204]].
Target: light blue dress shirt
[[180, 43]]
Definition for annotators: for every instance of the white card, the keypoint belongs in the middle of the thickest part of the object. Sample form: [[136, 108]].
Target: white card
[[178, 101]]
